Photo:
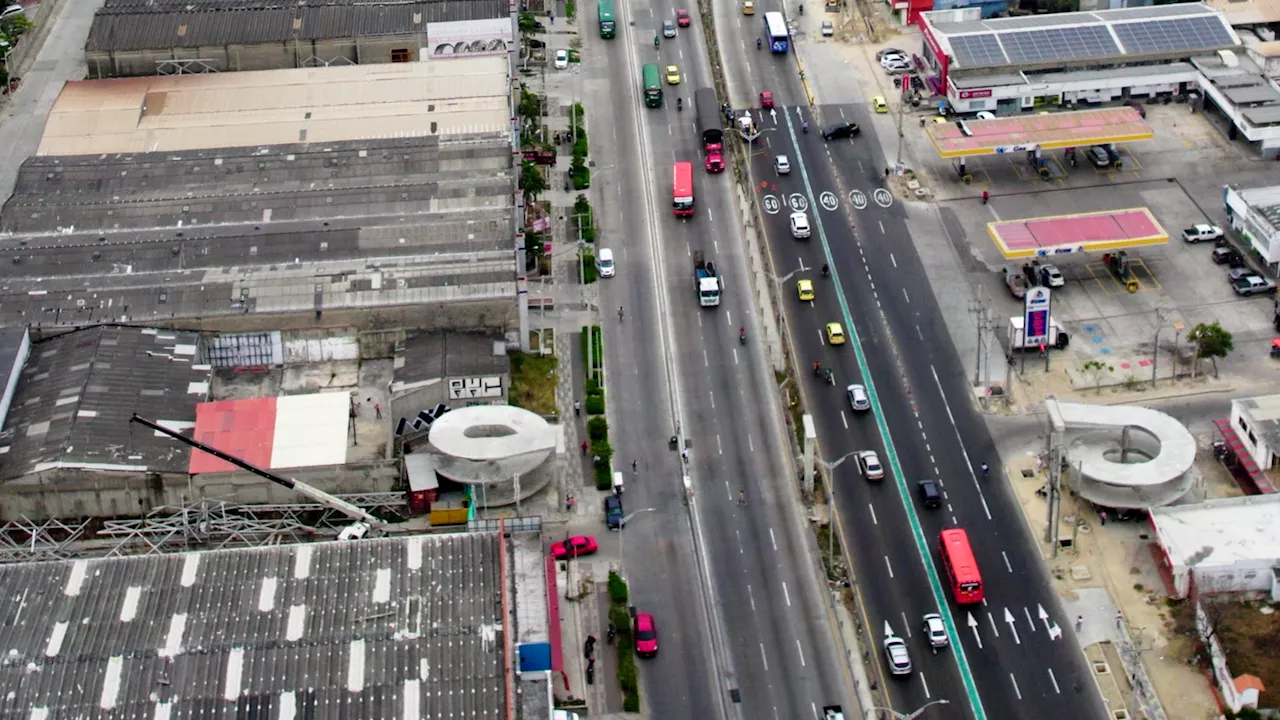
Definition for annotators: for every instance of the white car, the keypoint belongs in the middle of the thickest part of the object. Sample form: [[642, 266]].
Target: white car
[[896, 68], [799, 225], [10, 11], [562, 59], [604, 261], [984, 115], [858, 399], [1051, 276], [869, 465], [935, 631], [828, 29], [782, 164], [895, 653], [1201, 233]]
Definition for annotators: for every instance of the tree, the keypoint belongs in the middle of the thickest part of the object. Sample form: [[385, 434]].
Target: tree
[[1211, 341], [530, 107], [532, 181], [1096, 368]]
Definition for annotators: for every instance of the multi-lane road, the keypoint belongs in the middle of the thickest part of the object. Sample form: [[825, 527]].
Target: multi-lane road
[[745, 631]]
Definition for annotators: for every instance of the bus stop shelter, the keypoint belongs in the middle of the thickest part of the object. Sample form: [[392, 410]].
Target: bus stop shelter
[[1032, 134]]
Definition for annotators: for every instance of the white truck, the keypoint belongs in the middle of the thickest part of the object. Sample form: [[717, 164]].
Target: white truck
[[1058, 337], [707, 282]]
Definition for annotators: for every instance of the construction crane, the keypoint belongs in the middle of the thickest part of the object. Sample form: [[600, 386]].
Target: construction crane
[[364, 522]]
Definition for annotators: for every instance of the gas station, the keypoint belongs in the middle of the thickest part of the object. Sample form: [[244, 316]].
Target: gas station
[[1109, 232], [1031, 135]]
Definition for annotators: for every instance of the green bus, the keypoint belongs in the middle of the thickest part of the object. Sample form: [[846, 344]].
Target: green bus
[[652, 86], [604, 10]]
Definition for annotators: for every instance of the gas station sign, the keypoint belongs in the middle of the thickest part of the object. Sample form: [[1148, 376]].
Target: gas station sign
[[1036, 317]]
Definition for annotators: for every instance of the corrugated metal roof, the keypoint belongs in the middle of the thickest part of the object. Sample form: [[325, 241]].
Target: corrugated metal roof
[[142, 25], [379, 628]]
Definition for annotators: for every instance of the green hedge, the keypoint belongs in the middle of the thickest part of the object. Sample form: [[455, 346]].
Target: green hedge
[[595, 404], [603, 450], [589, 271], [628, 679], [617, 590], [598, 428]]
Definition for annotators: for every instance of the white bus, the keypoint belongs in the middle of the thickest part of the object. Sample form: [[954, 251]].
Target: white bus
[[775, 32]]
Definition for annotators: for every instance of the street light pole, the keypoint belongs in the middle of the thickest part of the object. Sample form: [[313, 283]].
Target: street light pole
[[831, 504], [622, 549]]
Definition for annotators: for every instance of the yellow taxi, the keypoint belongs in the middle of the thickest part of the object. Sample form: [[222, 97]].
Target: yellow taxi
[[835, 334], [748, 7], [673, 75], [804, 288], [880, 104], [939, 120]]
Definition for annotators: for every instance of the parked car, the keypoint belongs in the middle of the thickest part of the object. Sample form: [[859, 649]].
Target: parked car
[[562, 59], [11, 11], [1051, 276], [858, 399], [646, 635], [1227, 255], [1099, 156], [984, 115], [935, 631], [604, 262], [896, 655], [575, 546], [828, 29], [1253, 285], [869, 465], [839, 131], [782, 165], [613, 516], [886, 52], [1201, 233]]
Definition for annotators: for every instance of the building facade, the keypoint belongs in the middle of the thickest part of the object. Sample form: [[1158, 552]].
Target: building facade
[[1255, 214]]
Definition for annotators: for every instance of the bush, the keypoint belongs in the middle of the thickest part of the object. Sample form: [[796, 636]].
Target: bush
[[581, 179], [617, 590], [602, 449], [595, 404], [593, 387], [603, 480], [589, 271], [598, 428], [580, 148]]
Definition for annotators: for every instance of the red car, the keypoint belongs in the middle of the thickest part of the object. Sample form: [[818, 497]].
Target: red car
[[682, 18], [646, 633], [766, 99], [574, 547]]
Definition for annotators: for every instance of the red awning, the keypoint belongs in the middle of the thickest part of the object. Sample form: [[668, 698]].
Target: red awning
[[1259, 478]]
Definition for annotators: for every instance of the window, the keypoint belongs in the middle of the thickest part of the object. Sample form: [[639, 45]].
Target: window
[[1244, 425], [400, 55]]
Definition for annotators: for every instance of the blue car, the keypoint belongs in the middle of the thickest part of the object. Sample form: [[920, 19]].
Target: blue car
[[613, 512]]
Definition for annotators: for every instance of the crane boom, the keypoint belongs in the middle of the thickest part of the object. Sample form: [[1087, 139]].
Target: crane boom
[[297, 486]]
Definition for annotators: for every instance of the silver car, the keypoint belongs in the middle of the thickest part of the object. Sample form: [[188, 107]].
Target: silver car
[[896, 655], [782, 164], [935, 631], [858, 399], [668, 29], [828, 29]]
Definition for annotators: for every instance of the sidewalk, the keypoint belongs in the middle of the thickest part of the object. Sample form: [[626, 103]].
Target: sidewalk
[[60, 59]]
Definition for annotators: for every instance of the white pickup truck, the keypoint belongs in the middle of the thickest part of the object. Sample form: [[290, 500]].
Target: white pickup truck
[[1201, 233]]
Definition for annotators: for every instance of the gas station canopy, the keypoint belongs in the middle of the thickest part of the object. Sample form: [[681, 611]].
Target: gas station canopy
[[1087, 232], [1021, 133]]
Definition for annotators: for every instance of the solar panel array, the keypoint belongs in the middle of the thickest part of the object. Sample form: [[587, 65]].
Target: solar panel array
[[1160, 36], [1072, 43], [1004, 45], [978, 50]]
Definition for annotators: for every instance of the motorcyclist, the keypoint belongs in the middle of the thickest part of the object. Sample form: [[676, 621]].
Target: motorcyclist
[[801, 8], [831, 378], [679, 103], [805, 126], [817, 367], [742, 334], [759, 43], [826, 270], [655, 41], [984, 471]]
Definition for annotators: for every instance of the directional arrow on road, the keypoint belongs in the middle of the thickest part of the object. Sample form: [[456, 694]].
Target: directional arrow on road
[[773, 115], [1052, 628], [1012, 623], [973, 625]]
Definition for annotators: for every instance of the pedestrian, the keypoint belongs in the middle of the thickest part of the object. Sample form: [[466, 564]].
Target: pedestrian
[[684, 455], [742, 497], [568, 503], [1079, 622], [553, 18], [377, 411], [985, 197], [1119, 619], [573, 502], [886, 172], [922, 122], [577, 408], [1103, 516], [635, 466], [584, 447]]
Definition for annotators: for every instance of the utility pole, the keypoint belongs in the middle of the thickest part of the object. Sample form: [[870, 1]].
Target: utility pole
[[1161, 314], [902, 109]]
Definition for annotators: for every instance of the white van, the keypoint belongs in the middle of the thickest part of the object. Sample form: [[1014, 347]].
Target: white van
[[617, 483], [604, 262]]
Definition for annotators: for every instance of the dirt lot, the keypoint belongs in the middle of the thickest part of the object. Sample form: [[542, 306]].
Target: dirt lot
[[1250, 635]]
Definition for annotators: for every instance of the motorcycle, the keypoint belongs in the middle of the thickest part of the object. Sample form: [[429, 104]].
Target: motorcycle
[[679, 103], [656, 42], [759, 44], [831, 377], [817, 369], [742, 336], [591, 671], [826, 270]]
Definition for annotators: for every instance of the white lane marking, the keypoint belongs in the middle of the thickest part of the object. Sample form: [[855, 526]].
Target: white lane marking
[[888, 565], [751, 597], [872, 508], [800, 649], [772, 540], [1016, 691], [1007, 566], [926, 685], [893, 260], [844, 419], [764, 657], [719, 446], [905, 295], [786, 594], [881, 224], [963, 450], [1054, 680]]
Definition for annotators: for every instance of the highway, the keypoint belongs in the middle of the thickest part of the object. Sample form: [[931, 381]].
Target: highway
[[735, 588], [1015, 655]]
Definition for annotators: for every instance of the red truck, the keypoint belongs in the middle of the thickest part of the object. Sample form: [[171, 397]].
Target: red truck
[[709, 124]]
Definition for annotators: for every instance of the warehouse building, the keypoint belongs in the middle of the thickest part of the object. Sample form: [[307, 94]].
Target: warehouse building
[[169, 37], [371, 196], [1015, 64], [1255, 214]]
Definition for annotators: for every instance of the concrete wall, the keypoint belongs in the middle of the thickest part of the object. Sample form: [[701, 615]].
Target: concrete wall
[[77, 493], [264, 56]]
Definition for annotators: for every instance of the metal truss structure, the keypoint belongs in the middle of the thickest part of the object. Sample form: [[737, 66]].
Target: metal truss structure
[[206, 524]]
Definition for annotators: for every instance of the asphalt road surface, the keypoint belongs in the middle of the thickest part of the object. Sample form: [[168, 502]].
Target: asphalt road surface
[[1014, 655], [734, 585]]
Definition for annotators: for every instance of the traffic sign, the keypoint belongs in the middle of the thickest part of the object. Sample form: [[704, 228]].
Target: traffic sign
[[771, 204], [883, 197], [829, 201]]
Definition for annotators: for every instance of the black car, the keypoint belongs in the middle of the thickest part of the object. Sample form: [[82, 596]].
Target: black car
[[1228, 256], [613, 512], [839, 131], [930, 495]]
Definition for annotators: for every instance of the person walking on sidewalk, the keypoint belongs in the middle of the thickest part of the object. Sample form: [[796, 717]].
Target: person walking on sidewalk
[[1079, 622], [584, 448], [577, 408], [986, 196]]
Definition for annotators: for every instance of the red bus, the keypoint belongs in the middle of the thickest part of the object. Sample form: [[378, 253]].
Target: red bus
[[682, 189], [962, 569]]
